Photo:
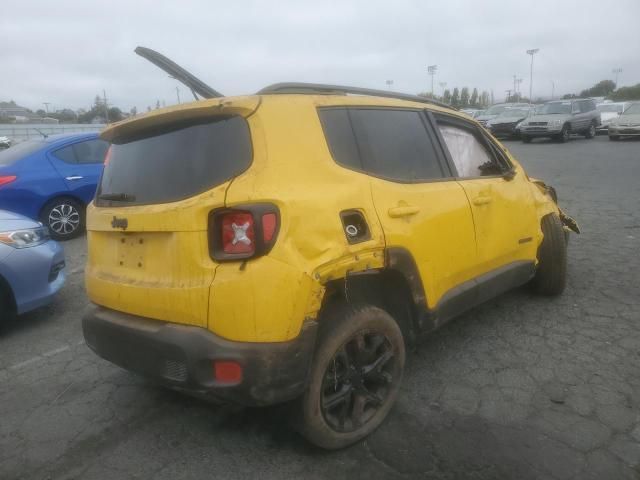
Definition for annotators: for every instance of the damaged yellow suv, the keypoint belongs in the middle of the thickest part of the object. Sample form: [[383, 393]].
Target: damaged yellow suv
[[285, 246]]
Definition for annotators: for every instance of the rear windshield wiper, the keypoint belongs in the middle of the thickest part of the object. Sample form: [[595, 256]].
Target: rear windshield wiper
[[120, 197]]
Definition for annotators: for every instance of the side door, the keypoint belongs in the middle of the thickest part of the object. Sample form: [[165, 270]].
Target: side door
[[421, 208], [577, 118], [80, 165], [500, 198]]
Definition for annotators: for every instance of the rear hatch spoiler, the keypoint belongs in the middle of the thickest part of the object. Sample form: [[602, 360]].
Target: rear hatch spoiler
[[174, 70]]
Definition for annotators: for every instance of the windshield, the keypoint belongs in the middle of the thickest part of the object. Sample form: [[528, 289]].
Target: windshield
[[514, 113], [495, 110], [20, 150], [609, 107], [555, 108], [633, 109]]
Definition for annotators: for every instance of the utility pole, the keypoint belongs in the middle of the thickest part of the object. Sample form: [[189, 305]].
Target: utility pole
[[515, 88], [508, 95], [178, 94], [106, 107], [553, 89], [432, 71], [389, 84], [46, 106], [616, 71], [531, 52], [442, 86]]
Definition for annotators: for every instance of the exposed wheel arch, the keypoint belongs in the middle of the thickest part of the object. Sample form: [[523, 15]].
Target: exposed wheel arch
[[397, 289]]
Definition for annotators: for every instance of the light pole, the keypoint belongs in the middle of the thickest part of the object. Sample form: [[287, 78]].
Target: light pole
[[442, 86], [553, 89], [432, 71], [616, 71], [389, 84], [531, 52]]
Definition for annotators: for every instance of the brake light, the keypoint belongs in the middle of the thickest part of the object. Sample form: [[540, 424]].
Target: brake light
[[7, 179], [269, 224], [238, 234], [243, 233]]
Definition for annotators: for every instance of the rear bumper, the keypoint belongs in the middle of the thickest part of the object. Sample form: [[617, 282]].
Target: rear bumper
[[181, 357]]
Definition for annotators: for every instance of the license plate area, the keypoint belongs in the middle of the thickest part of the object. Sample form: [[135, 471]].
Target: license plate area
[[131, 251]]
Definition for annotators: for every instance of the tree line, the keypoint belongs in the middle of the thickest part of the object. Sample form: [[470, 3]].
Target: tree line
[[461, 98], [607, 89]]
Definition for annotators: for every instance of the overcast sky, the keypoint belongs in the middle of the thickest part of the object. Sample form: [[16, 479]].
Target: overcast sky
[[66, 51]]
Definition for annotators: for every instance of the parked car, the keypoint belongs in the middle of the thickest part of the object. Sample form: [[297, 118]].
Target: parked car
[[31, 265], [627, 124], [52, 179], [495, 110], [5, 142], [559, 119], [609, 111], [314, 296], [507, 124]]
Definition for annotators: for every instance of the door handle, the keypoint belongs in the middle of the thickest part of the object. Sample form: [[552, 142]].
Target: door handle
[[404, 211], [75, 177], [482, 200]]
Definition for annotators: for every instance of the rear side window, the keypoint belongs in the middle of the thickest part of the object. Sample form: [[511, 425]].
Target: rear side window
[[177, 162], [392, 144], [20, 150], [89, 151]]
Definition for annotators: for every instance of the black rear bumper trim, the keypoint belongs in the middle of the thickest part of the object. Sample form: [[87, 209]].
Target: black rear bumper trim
[[181, 357]]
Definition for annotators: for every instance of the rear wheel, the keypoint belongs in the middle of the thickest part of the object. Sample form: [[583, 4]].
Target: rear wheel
[[591, 132], [64, 217], [614, 138], [551, 274], [355, 376], [525, 138]]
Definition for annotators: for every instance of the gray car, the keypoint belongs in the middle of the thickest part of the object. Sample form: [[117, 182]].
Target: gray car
[[561, 118], [494, 110], [627, 124]]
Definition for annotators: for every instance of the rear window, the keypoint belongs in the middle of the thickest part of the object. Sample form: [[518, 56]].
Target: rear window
[[175, 163], [20, 150]]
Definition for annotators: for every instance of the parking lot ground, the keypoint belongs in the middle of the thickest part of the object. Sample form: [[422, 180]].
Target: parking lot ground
[[522, 387]]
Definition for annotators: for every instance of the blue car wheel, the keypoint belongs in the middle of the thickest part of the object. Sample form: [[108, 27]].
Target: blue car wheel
[[64, 217]]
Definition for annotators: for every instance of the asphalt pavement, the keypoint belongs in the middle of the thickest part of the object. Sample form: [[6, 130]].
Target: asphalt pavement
[[522, 387]]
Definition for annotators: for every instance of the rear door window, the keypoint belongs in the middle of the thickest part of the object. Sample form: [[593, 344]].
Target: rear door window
[[387, 143], [91, 151], [176, 162]]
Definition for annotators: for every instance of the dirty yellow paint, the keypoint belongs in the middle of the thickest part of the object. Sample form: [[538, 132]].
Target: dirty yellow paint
[[161, 267]]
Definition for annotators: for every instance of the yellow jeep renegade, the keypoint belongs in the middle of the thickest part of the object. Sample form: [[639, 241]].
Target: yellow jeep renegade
[[286, 245]]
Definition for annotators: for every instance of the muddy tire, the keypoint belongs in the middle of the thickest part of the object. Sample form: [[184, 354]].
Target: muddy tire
[[355, 376], [551, 273]]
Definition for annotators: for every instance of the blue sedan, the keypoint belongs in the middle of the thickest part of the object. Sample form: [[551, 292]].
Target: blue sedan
[[52, 180], [31, 265]]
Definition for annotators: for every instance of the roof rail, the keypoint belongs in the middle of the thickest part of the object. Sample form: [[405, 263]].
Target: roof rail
[[318, 88]]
